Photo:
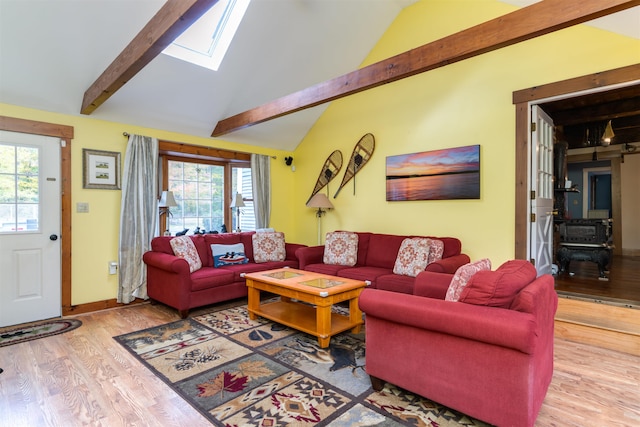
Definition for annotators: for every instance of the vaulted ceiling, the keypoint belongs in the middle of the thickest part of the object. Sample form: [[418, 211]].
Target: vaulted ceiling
[[52, 51]]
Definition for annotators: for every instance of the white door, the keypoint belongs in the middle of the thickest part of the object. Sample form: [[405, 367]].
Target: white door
[[541, 218], [30, 282]]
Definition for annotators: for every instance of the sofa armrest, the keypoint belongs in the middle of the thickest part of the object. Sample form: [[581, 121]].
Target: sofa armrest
[[431, 284], [491, 325], [310, 255], [291, 249], [449, 264], [169, 263]]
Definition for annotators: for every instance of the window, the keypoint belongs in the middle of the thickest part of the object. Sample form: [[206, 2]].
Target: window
[[241, 183], [19, 188], [203, 188], [199, 191], [207, 40]]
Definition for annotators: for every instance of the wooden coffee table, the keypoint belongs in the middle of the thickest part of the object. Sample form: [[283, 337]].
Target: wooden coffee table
[[319, 291]]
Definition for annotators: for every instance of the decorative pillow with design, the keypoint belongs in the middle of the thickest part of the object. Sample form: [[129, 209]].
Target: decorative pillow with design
[[436, 249], [462, 276], [183, 247], [341, 248], [499, 288], [413, 256], [268, 246], [228, 254]]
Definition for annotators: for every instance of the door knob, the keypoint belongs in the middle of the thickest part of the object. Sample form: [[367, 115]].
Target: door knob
[[53, 237]]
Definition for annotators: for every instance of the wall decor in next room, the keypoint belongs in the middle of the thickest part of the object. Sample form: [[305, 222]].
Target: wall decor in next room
[[452, 173]]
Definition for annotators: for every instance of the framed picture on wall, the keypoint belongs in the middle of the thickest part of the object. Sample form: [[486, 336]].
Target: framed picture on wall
[[452, 173], [101, 169]]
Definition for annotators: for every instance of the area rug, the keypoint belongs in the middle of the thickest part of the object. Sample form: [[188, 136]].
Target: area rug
[[37, 330], [242, 372]]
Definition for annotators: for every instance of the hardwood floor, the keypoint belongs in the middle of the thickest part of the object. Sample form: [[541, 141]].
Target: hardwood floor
[[622, 288], [84, 377]]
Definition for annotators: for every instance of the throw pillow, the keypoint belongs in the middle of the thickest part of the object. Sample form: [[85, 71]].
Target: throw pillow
[[436, 249], [183, 247], [463, 275], [268, 246], [341, 248], [228, 254], [499, 288], [413, 256]]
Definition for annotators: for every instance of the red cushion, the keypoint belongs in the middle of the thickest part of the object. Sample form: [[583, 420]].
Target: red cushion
[[383, 250], [498, 288]]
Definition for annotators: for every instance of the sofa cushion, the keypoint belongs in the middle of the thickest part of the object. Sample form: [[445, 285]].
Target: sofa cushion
[[184, 247], [365, 273], [395, 283], [222, 239], [208, 277], [322, 268], [499, 288], [452, 246], [383, 250], [240, 270], [436, 250], [228, 254], [412, 257], [268, 246], [341, 248], [462, 276]]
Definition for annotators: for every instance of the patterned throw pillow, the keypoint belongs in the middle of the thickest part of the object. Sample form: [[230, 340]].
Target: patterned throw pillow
[[268, 246], [183, 247], [436, 249], [228, 254], [341, 248], [462, 276], [413, 256]]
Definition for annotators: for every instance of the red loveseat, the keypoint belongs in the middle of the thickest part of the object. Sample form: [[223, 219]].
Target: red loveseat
[[170, 281], [489, 362], [376, 257]]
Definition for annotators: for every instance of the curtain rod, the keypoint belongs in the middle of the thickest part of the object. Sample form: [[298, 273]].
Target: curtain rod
[[127, 135]]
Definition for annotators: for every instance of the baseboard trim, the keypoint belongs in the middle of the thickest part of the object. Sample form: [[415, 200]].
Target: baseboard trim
[[97, 306]]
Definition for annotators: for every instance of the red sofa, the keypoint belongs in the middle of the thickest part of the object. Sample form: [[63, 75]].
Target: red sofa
[[169, 280], [376, 257], [491, 363]]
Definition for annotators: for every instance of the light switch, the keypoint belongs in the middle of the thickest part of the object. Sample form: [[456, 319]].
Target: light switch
[[82, 207]]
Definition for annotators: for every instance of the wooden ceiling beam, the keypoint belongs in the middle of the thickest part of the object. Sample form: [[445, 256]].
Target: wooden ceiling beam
[[529, 22], [172, 19]]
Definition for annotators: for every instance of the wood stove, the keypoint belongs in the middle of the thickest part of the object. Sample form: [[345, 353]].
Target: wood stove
[[585, 240]]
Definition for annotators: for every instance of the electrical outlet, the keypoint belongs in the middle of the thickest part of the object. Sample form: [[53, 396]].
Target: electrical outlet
[[113, 267]]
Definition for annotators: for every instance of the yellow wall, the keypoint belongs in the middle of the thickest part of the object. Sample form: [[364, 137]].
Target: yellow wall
[[95, 234], [466, 103], [462, 104]]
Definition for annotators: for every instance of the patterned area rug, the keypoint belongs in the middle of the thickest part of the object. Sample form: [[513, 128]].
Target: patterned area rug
[[37, 330], [240, 372]]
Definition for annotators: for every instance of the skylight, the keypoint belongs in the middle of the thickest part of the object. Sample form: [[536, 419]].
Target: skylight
[[206, 42]]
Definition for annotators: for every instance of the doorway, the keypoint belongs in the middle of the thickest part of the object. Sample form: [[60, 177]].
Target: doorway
[[622, 84], [29, 228], [65, 134]]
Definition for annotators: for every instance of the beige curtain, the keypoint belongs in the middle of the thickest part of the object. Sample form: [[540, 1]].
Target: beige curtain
[[138, 214]]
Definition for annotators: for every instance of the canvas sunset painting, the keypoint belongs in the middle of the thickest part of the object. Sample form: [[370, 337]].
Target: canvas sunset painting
[[452, 173]]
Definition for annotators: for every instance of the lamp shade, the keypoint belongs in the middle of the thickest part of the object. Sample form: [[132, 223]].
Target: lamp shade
[[167, 200], [320, 201], [237, 201]]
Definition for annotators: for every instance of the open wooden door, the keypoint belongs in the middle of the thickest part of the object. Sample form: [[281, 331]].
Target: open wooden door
[[541, 217]]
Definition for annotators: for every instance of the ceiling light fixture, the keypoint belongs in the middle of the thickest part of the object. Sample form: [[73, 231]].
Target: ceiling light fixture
[[608, 134]]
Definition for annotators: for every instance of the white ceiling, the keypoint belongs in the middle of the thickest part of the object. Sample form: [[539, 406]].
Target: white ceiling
[[51, 51]]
